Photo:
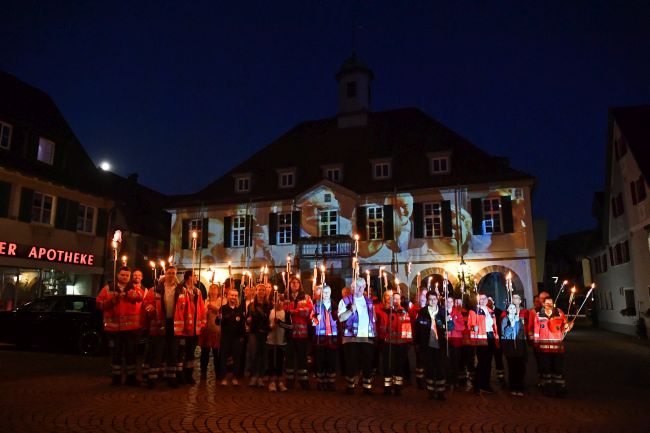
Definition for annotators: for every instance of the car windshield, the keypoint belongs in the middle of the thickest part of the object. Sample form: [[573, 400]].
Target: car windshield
[[38, 306], [72, 304]]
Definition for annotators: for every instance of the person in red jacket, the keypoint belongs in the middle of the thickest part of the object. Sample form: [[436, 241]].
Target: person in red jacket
[[120, 304], [195, 320], [549, 329], [483, 325], [299, 306], [455, 329], [167, 308], [398, 335]]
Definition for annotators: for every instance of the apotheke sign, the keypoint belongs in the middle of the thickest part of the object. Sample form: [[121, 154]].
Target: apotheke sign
[[11, 249]]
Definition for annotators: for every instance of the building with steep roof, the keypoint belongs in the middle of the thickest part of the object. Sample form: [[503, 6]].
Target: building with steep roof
[[619, 266], [58, 210], [413, 190]]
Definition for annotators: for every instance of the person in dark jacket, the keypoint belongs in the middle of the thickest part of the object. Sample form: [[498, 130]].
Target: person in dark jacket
[[513, 344], [232, 320], [430, 338], [257, 318]]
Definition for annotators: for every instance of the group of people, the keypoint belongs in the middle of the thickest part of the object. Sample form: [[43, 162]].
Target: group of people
[[273, 335]]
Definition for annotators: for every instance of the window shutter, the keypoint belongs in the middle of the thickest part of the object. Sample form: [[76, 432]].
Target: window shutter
[[418, 220], [389, 229], [102, 222], [72, 216], [25, 211], [205, 232], [227, 229], [5, 195], [447, 225], [361, 223], [633, 192], [273, 228], [249, 230], [506, 214], [32, 147], [295, 226], [477, 216], [61, 211], [185, 234]]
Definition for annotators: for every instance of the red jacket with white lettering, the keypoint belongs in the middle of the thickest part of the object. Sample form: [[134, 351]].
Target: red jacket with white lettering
[[398, 326], [457, 330], [549, 331], [478, 336], [121, 308], [154, 303], [300, 309]]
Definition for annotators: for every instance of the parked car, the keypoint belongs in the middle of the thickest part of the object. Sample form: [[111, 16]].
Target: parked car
[[66, 321]]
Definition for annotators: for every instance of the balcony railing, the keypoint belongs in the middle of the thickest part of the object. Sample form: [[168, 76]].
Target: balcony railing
[[326, 246]]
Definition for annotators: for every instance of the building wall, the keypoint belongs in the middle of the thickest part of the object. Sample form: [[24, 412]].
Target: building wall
[[512, 251]]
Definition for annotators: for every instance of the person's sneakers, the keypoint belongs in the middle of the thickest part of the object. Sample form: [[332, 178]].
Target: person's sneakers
[[281, 387], [131, 380], [116, 381], [224, 382], [172, 382], [520, 394], [204, 375], [440, 396], [367, 391], [272, 387], [260, 383], [514, 393], [487, 390], [151, 384], [234, 381], [349, 390], [253, 381]]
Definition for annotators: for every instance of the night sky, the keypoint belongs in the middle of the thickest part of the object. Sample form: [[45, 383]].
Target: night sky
[[179, 92]]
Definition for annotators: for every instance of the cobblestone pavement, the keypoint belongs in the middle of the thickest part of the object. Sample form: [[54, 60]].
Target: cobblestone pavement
[[52, 392]]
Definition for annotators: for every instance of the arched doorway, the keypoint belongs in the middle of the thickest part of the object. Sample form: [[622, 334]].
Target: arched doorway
[[492, 282]]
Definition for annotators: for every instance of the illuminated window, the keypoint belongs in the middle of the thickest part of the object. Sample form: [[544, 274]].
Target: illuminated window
[[492, 215], [42, 208], [242, 184], [45, 151], [329, 227], [284, 229], [85, 219], [238, 231], [5, 135], [375, 223], [432, 220], [196, 225]]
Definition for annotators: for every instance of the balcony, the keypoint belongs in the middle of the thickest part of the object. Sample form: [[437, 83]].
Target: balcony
[[326, 246]]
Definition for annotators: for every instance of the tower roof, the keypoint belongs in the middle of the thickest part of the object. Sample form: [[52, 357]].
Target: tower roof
[[354, 64]]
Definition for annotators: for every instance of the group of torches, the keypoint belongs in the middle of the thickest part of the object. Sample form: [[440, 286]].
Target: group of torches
[[248, 276]]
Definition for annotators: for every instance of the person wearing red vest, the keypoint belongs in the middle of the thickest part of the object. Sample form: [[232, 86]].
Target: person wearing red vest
[[397, 332], [483, 325], [413, 313], [136, 281], [194, 321], [120, 303], [538, 303], [167, 308], [455, 329], [325, 340], [299, 307], [549, 329]]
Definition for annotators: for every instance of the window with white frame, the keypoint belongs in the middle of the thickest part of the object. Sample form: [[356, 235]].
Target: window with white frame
[[381, 170], [5, 135], [242, 184], [85, 218], [329, 227], [375, 223], [287, 179], [284, 229], [492, 215], [45, 151], [195, 225], [333, 174], [440, 165], [238, 232], [432, 220], [42, 208]]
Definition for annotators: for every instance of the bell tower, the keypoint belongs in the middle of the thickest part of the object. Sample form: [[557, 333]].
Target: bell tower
[[354, 92]]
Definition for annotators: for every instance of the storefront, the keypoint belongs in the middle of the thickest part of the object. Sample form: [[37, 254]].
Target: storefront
[[30, 271]]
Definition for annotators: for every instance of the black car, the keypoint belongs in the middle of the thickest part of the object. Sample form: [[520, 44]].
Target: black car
[[67, 321]]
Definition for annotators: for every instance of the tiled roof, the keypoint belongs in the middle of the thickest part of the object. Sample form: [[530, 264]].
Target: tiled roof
[[634, 123], [405, 135]]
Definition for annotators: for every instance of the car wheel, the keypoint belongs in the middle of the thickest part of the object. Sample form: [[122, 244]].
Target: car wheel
[[90, 343]]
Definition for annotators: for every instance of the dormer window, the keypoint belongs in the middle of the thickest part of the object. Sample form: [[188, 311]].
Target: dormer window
[[5, 135], [286, 179], [45, 151], [439, 163], [381, 170], [333, 173], [242, 183]]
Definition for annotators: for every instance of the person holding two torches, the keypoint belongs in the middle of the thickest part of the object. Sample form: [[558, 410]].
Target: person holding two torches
[[299, 306], [325, 340], [483, 325], [194, 321]]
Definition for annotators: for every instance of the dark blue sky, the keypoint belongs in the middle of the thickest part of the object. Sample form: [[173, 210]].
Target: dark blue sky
[[159, 87]]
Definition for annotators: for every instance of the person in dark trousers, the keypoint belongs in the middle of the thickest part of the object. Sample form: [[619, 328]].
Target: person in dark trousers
[[513, 345], [257, 318], [430, 337], [232, 318]]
